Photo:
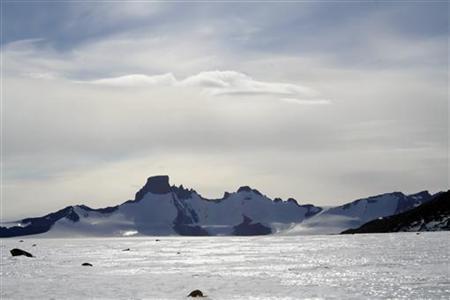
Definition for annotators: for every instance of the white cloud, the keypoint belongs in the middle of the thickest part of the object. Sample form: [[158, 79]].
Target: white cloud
[[218, 83], [137, 80], [236, 83]]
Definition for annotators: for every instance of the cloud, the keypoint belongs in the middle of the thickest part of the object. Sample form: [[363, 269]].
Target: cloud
[[64, 119], [137, 80], [236, 83], [219, 83]]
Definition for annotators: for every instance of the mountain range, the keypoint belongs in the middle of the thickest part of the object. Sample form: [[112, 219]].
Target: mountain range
[[160, 209]]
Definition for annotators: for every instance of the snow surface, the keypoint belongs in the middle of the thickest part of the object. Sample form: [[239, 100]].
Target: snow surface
[[375, 266]]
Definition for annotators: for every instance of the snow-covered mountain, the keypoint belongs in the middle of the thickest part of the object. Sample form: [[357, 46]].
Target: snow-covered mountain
[[433, 215], [352, 215], [161, 209]]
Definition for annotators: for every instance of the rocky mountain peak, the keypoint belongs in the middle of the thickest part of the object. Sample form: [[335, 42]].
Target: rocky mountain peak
[[155, 185], [248, 189]]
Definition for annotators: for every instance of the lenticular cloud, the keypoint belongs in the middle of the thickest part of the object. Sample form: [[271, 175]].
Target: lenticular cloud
[[215, 83]]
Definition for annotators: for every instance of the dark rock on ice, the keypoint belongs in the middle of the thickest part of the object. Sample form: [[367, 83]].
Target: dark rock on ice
[[184, 223], [128, 249], [86, 264], [196, 293], [19, 252], [247, 227]]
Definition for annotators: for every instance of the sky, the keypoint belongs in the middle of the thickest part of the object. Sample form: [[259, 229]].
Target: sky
[[323, 101]]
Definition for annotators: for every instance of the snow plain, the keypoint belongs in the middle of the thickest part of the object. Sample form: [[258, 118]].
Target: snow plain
[[372, 266]]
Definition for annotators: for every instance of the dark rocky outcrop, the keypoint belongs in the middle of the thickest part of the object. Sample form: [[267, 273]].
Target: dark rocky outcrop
[[196, 293], [105, 210], [181, 192], [435, 210], [292, 200], [155, 185], [247, 228], [312, 210], [248, 189], [20, 252], [184, 223], [87, 264], [190, 230]]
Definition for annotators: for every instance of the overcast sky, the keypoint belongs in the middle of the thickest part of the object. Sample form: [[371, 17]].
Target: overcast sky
[[325, 102]]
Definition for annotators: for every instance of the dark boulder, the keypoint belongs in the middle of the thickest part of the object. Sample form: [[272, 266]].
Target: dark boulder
[[86, 264], [19, 252], [196, 293], [128, 249]]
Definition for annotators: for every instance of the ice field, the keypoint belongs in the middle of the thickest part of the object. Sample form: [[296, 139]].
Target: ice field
[[376, 266]]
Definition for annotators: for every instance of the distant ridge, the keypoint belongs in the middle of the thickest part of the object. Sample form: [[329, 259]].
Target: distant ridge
[[161, 209], [433, 215]]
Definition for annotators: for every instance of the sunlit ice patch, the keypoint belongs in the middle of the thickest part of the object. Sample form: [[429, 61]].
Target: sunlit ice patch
[[129, 233]]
